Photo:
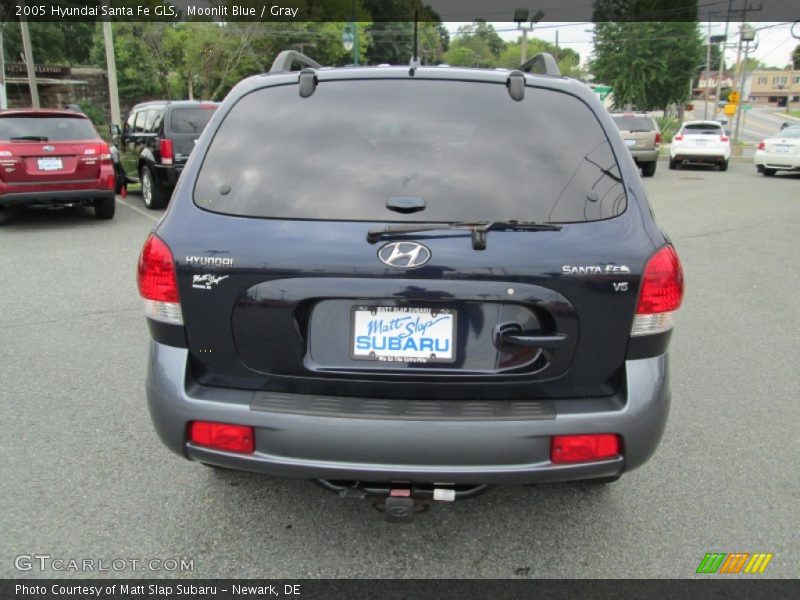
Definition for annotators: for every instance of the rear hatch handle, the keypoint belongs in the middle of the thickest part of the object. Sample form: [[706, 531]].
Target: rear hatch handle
[[511, 334]]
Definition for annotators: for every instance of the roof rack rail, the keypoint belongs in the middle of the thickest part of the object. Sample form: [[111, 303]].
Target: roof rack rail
[[542, 64], [292, 60]]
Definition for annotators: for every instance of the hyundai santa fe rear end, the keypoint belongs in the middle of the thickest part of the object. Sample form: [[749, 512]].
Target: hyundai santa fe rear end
[[411, 280]]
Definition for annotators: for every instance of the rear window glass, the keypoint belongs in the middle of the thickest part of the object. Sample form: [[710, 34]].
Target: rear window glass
[[631, 123], [709, 128], [467, 150], [793, 132], [190, 120], [51, 129]]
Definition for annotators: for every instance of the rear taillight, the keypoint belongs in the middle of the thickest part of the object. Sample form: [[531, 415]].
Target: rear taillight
[[658, 138], [105, 152], [158, 284], [761, 146], [584, 448], [678, 138], [723, 138], [222, 436], [660, 294], [167, 153]]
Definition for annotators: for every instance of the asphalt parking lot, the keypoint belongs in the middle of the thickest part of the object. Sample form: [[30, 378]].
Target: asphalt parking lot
[[84, 475]]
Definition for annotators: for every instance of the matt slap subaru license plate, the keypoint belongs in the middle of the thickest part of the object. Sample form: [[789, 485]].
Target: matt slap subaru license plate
[[50, 164], [403, 334]]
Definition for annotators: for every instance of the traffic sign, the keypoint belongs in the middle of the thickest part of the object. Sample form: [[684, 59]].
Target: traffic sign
[[730, 109], [747, 107], [733, 97]]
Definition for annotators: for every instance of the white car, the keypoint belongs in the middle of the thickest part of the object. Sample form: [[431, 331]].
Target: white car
[[701, 142], [779, 153]]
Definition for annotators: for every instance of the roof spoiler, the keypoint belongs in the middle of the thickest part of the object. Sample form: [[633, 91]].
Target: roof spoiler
[[541, 64], [291, 60]]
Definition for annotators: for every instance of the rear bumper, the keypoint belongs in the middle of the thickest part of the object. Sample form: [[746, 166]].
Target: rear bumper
[[641, 156], [165, 177], [702, 155], [332, 438], [55, 197], [780, 161]]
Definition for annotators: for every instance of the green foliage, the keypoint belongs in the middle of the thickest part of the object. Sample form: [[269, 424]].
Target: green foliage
[[668, 125], [796, 57], [67, 43], [476, 45], [648, 64]]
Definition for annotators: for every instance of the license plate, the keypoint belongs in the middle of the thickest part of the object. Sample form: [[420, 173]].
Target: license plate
[[630, 142], [403, 334], [700, 143], [779, 148], [50, 164]]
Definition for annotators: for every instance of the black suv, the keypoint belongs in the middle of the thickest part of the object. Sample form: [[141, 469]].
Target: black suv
[[411, 282], [156, 141]]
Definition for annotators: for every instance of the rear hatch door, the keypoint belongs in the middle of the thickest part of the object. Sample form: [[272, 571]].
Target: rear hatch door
[[48, 150], [281, 289], [184, 125]]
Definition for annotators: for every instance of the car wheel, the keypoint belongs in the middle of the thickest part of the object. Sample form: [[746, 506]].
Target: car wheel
[[768, 172], [673, 164], [723, 166], [105, 208], [152, 196], [649, 169]]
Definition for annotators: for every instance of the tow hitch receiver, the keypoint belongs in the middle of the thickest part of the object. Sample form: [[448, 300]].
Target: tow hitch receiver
[[400, 501]]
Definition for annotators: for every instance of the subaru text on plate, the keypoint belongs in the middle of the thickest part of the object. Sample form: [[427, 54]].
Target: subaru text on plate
[[428, 280]]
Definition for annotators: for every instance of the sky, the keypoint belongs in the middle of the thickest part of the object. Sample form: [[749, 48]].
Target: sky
[[775, 41]]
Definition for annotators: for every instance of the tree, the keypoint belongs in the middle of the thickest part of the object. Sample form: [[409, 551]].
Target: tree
[[568, 60], [796, 57], [66, 43], [649, 64], [476, 45]]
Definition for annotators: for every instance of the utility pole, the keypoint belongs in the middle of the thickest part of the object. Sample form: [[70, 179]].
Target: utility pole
[[3, 96], [722, 47], [111, 65], [748, 35], [708, 71], [521, 16], [26, 47]]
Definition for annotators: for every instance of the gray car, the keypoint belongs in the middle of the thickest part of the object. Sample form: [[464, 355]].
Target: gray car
[[642, 137]]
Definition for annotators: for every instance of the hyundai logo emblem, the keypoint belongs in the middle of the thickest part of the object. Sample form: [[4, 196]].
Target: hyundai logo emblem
[[404, 255], [49, 148]]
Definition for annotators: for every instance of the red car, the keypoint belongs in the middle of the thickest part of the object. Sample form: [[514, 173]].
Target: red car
[[54, 158]]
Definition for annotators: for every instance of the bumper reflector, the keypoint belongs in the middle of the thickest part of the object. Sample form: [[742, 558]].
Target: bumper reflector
[[584, 448], [222, 436]]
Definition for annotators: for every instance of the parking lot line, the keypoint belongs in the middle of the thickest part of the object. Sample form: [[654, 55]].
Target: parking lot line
[[137, 209]]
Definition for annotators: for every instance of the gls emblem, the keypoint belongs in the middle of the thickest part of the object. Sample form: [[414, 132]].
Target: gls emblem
[[404, 255]]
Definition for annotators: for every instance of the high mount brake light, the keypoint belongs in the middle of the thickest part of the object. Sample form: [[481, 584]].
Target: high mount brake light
[[660, 293], [158, 284]]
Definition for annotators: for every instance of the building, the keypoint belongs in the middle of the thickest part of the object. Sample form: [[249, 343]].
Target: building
[[779, 88], [699, 91]]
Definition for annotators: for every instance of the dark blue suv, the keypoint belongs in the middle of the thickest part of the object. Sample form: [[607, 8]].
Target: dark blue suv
[[411, 282]]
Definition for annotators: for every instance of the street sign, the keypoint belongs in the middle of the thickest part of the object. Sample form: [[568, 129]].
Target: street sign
[[730, 109], [747, 107], [733, 97]]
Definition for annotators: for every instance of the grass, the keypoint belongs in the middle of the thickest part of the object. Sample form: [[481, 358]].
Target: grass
[[793, 113]]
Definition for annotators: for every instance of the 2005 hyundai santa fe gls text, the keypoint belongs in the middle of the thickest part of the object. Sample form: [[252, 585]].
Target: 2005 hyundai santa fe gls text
[[411, 282]]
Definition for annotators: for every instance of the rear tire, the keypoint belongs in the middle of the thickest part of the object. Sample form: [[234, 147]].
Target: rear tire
[[153, 197], [649, 169], [723, 166], [673, 164], [769, 172], [105, 208]]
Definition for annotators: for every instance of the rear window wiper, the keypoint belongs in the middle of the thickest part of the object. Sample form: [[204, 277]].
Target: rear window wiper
[[29, 138], [479, 229]]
